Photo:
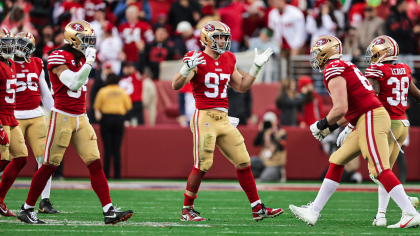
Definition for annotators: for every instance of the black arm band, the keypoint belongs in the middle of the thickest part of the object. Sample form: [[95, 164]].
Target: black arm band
[[334, 127], [322, 124]]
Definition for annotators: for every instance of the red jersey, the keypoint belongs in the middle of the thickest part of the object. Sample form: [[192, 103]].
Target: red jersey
[[132, 33], [73, 102], [394, 81], [28, 96], [133, 86], [210, 83], [79, 12], [91, 6], [8, 94], [360, 94]]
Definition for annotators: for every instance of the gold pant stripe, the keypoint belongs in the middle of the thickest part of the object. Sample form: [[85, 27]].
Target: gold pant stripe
[[50, 136], [373, 150]]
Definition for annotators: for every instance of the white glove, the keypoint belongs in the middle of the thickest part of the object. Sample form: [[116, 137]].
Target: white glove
[[319, 134], [344, 134], [190, 63], [259, 61], [90, 55]]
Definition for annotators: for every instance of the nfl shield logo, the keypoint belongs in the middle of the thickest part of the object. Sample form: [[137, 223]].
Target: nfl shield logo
[[217, 63], [207, 125], [64, 119]]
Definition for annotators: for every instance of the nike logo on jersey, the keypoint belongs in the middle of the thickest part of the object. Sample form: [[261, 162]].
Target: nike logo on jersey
[[402, 226], [113, 216], [334, 65], [55, 52]]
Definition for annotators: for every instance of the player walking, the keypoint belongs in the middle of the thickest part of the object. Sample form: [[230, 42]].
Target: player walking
[[69, 67], [355, 100], [210, 73], [31, 90], [16, 152], [392, 82]]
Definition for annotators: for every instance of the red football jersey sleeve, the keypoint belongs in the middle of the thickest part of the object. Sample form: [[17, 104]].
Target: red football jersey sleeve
[[28, 96], [394, 82], [210, 83], [132, 33], [73, 102], [360, 94]]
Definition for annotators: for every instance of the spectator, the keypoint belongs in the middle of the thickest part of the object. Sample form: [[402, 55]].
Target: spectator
[[160, 50], [264, 41], [132, 84], [143, 6], [240, 105], [350, 45], [111, 104], [17, 21], [231, 14], [149, 97], [400, 28], [254, 18], [99, 23], [39, 13], [135, 34], [321, 24], [110, 48], [162, 21], [335, 6], [184, 10], [269, 165], [57, 41], [186, 103], [91, 6], [356, 13], [289, 101], [313, 108], [383, 9], [209, 14], [70, 10], [288, 25], [186, 40], [371, 27], [46, 36]]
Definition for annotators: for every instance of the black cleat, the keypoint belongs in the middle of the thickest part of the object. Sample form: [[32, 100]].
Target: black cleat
[[29, 216], [45, 206], [114, 216]]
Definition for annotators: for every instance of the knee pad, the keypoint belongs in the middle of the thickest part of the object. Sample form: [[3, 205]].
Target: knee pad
[[209, 143], [42, 130]]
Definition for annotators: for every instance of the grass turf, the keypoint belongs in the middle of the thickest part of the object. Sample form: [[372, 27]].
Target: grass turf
[[227, 213]]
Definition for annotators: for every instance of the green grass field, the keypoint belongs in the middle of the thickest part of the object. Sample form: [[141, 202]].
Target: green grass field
[[227, 213]]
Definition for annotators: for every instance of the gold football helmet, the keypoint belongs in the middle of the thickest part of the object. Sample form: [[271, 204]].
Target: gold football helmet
[[80, 35], [7, 44], [325, 48], [25, 45], [211, 34], [382, 48]]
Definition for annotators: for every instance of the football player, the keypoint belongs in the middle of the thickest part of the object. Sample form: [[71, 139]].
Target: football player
[[391, 82], [31, 90], [354, 101], [69, 67], [210, 73], [14, 152]]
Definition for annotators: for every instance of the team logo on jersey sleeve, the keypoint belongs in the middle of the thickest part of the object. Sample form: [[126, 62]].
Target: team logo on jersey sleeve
[[209, 28], [378, 41], [321, 42], [77, 27]]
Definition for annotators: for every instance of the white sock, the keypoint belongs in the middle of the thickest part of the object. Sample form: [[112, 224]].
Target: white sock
[[327, 189], [400, 197], [256, 203], [188, 207], [107, 206], [26, 206], [383, 200], [47, 190]]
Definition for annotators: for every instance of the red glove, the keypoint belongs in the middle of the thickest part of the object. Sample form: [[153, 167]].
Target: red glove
[[3, 137]]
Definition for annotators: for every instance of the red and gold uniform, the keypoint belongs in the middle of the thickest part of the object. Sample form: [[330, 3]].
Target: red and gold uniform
[[366, 112], [68, 121], [394, 81], [210, 129], [16, 148]]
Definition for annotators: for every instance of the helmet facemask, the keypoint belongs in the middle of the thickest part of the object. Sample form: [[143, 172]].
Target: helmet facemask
[[86, 41], [313, 59], [24, 48], [7, 45], [378, 58], [217, 38]]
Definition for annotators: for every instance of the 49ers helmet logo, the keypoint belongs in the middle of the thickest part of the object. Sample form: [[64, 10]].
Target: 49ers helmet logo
[[321, 42], [77, 27], [209, 28], [378, 41]]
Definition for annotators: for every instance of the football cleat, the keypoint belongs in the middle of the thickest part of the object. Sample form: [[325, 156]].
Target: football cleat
[[408, 220], [379, 221], [45, 206], [305, 213], [189, 214], [114, 216], [4, 211], [414, 201], [259, 212], [29, 216]]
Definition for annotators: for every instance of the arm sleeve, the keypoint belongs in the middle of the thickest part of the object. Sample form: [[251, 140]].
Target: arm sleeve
[[46, 97], [75, 80]]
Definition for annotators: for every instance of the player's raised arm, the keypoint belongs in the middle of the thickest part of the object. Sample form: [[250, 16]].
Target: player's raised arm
[[181, 78], [243, 83]]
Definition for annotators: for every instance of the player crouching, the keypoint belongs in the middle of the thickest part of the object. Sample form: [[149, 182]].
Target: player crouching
[[210, 73]]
